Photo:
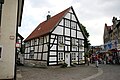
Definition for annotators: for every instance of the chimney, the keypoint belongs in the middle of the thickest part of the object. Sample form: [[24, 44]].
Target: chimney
[[106, 24], [48, 16]]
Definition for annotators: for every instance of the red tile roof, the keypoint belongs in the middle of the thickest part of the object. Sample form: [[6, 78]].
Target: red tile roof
[[46, 26]]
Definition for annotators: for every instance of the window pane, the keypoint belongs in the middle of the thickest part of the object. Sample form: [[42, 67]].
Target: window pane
[[67, 23]]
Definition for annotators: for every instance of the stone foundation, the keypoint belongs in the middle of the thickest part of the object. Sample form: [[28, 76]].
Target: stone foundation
[[33, 63]]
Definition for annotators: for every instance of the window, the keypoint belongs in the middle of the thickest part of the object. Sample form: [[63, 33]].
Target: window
[[60, 39], [73, 55], [80, 44], [41, 40], [73, 25], [67, 23], [73, 41], [36, 41], [60, 56], [0, 51], [32, 54]]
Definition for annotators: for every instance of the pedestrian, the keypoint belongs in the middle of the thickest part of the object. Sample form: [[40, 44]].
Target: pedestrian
[[88, 61], [96, 61]]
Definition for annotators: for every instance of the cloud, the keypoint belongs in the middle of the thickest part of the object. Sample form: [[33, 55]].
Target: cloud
[[91, 13]]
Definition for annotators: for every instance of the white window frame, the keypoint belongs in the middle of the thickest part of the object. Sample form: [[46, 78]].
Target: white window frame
[[74, 43], [60, 39], [60, 56], [73, 56], [41, 41], [31, 56], [67, 23], [73, 25]]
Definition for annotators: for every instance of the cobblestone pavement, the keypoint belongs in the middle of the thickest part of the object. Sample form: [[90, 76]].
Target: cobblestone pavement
[[110, 72], [56, 73]]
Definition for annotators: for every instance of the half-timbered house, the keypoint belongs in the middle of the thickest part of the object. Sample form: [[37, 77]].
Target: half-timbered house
[[19, 46], [57, 40]]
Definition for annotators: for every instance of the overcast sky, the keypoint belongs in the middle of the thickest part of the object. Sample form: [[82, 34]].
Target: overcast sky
[[93, 14]]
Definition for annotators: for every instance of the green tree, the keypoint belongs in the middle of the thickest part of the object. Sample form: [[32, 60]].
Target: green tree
[[86, 35]]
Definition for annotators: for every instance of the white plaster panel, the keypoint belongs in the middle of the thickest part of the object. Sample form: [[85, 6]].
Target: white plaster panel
[[32, 48], [51, 40], [67, 42], [35, 56], [25, 50], [78, 28], [53, 47], [67, 38], [73, 33], [44, 56], [52, 36], [39, 56], [52, 53], [61, 23], [25, 56], [29, 50], [45, 47], [67, 16], [52, 59], [36, 48], [40, 48], [80, 35], [28, 56], [58, 30], [73, 18], [52, 63], [71, 11]]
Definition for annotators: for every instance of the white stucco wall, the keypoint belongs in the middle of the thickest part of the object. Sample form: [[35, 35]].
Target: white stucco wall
[[8, 37]]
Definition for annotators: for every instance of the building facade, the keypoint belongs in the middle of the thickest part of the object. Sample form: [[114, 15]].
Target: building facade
[[10, 19], [20, 50], [112, 39], [57, 40]]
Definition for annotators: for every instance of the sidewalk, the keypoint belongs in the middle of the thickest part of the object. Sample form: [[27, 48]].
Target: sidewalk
[[81, 72]]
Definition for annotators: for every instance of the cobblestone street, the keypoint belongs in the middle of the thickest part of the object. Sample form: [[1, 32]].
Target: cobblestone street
[[82, 72], [110, 72], [56, 73]]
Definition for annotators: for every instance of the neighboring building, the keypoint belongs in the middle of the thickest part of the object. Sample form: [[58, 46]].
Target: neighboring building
[[57, 40], [10, 19], [19, 46], [112, 39]]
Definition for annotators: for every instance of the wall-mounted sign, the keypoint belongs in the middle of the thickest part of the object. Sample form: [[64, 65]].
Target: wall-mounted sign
[[18, 45], [12, 37]]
